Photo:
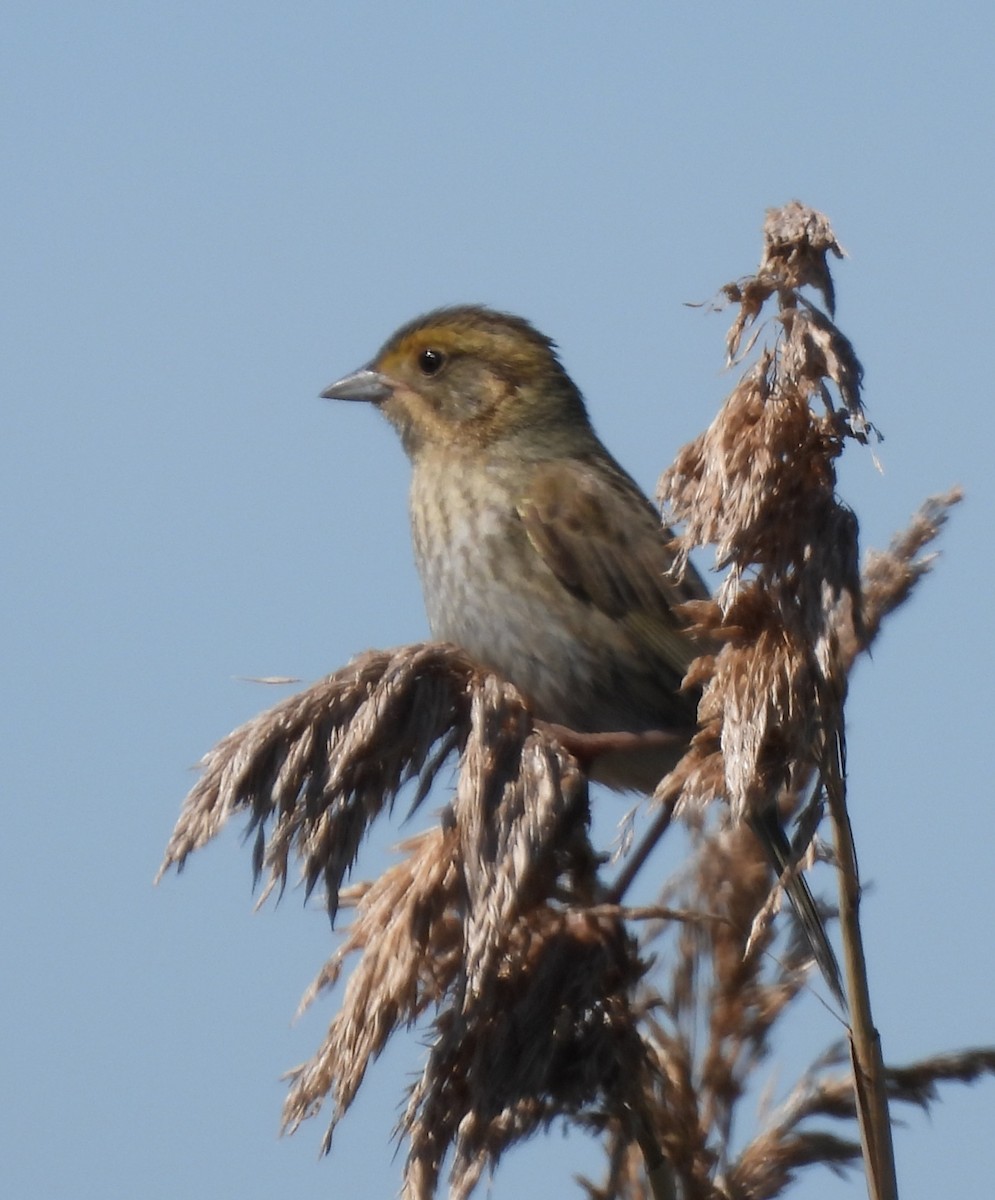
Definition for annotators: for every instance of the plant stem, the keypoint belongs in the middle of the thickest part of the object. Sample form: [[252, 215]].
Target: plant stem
[[865, 1042]]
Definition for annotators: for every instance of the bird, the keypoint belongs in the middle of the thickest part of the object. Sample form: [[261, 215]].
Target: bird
[[540, 556]]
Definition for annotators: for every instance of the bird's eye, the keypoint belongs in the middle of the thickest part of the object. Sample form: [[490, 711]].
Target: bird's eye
[[431, 362]]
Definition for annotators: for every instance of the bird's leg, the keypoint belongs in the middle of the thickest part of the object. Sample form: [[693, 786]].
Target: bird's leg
[[588, 747]]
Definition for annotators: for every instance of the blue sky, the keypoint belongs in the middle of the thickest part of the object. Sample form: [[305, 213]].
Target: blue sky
[[212, 210]]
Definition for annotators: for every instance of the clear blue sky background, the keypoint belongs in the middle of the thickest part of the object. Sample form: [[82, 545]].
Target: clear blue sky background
[[210, 211]]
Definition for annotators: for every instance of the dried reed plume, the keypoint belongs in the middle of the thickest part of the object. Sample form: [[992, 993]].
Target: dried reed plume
[[546, 996]]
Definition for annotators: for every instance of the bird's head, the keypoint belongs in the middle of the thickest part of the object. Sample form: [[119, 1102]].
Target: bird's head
[[471, 378]]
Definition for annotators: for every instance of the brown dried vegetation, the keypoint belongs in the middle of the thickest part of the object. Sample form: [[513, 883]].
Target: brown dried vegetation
[[547, 997]]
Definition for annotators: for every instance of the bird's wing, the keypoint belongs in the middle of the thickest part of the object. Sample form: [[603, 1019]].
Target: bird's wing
[[603, 540]]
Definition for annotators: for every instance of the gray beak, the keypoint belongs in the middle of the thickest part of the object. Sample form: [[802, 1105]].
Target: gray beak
[[365, 384]]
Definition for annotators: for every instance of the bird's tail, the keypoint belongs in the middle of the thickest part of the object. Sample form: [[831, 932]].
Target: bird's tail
[[770, 833]]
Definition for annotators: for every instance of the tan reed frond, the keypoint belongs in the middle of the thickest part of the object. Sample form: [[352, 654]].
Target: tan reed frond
[[323, 764], [408, 934], [790, 619], [433, 930], [916, 1083], [760, 484], [520, 808], [551, 1036], [788, 1142], [708, 1015], [889, 576], [797, 240], [732, 985]]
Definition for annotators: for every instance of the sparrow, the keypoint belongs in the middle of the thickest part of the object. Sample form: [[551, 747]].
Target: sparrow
[[541, 557]]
